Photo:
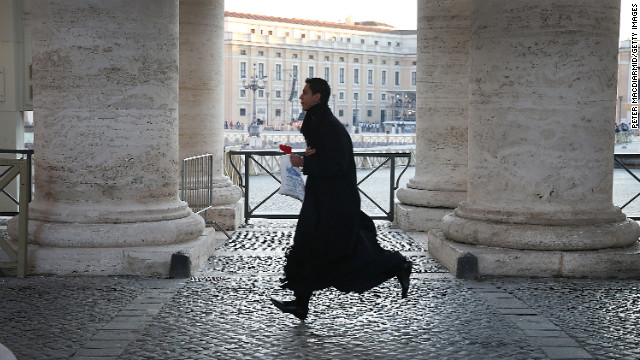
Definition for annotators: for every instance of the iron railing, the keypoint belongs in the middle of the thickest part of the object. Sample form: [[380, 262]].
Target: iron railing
[[627, 161], [14, 168], [197, 186], [249, 156]]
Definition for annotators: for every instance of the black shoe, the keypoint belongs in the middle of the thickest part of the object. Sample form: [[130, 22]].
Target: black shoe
[[292, 307], [403, 277]]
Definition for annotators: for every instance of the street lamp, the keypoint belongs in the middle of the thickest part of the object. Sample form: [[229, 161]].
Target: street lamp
[[254, 84], [357, 124], [267, 118]]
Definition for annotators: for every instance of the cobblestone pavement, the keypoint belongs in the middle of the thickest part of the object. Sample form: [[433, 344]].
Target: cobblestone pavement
[[224, 313]]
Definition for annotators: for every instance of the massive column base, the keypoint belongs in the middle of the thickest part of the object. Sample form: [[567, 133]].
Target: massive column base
[[229, 217], [141, 260], [418, 218], [493, 261]]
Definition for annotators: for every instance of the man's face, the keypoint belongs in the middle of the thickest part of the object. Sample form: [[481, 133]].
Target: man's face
[[308, 99]]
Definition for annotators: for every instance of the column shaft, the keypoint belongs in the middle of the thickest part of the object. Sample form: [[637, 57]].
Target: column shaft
[[106, 109], [440, 180], [202, 100], [542, 105]]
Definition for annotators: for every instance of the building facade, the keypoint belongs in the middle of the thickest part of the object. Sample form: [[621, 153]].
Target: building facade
[[623, 114], [371, 69]]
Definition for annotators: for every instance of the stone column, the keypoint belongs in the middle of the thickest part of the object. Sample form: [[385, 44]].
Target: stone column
[[12, 91], [541, 140], [106, 150], [202, 100], [440, 180]]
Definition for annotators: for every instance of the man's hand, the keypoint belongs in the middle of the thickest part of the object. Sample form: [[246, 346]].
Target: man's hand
[[309, 151], [296, 160]]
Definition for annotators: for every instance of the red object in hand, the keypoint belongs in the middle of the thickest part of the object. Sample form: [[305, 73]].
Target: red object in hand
[[286, 149]]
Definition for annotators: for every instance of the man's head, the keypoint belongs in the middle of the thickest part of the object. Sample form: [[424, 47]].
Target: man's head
[[315, 91]]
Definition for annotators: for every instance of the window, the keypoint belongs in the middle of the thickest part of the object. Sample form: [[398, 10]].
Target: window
[[414, 63], [243, 52], [340, 113], [243, 69], [361, 41], [278, 94], [356, 96], [326, 58], [260, 93], [304, 36], [295, 71], [312, 71], [341, 59], [370, 61], [384, 97], [260, 53], [348, 40], [286, 34], [278, 112], [243, 112], [389, 43], [370, 77], [397, 78], [413, 78], [260, 70], [243, 93], [278, 72], [369, 96], [383, 78], [310, 57], [253, 31], [318, 37], [376, 42], [384, 62], [356, 76], [326, 73], [295, 56], [369, 113], [341, 76], [278, 54], [356, 60], [341, 95], [270, 32], [397, 62]]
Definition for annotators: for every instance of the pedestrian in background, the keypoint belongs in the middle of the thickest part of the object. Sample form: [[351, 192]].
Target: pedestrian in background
[[335, 243]]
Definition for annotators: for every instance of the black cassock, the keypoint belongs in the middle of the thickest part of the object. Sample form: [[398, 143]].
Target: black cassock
[[335, 243]]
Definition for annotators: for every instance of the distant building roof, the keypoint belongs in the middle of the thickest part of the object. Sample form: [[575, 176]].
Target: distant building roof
[[370, 26]]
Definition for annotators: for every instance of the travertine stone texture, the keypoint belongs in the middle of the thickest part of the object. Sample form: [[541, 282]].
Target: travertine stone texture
[[542, 101], [202, 98], [106, 108], [442, 89]]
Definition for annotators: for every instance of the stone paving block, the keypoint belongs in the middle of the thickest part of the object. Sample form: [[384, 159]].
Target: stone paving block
[[555, 341], [99, 352], [565, 352], [534, 322], [105, 344], [114, 335], [544, 333], [127, 324]]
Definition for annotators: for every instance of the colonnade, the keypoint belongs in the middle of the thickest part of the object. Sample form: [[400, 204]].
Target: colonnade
[[122, 91], [539, 100], [514, 148]]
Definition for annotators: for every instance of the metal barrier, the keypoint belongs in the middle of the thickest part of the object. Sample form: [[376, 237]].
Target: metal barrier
[[196, 188], [17, 168], [250, 156], [626, 161]]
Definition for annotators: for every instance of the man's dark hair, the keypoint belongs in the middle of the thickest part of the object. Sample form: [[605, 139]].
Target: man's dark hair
[[321, 86]]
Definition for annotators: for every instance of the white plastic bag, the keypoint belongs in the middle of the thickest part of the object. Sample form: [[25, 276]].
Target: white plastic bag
[[292, 183]]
